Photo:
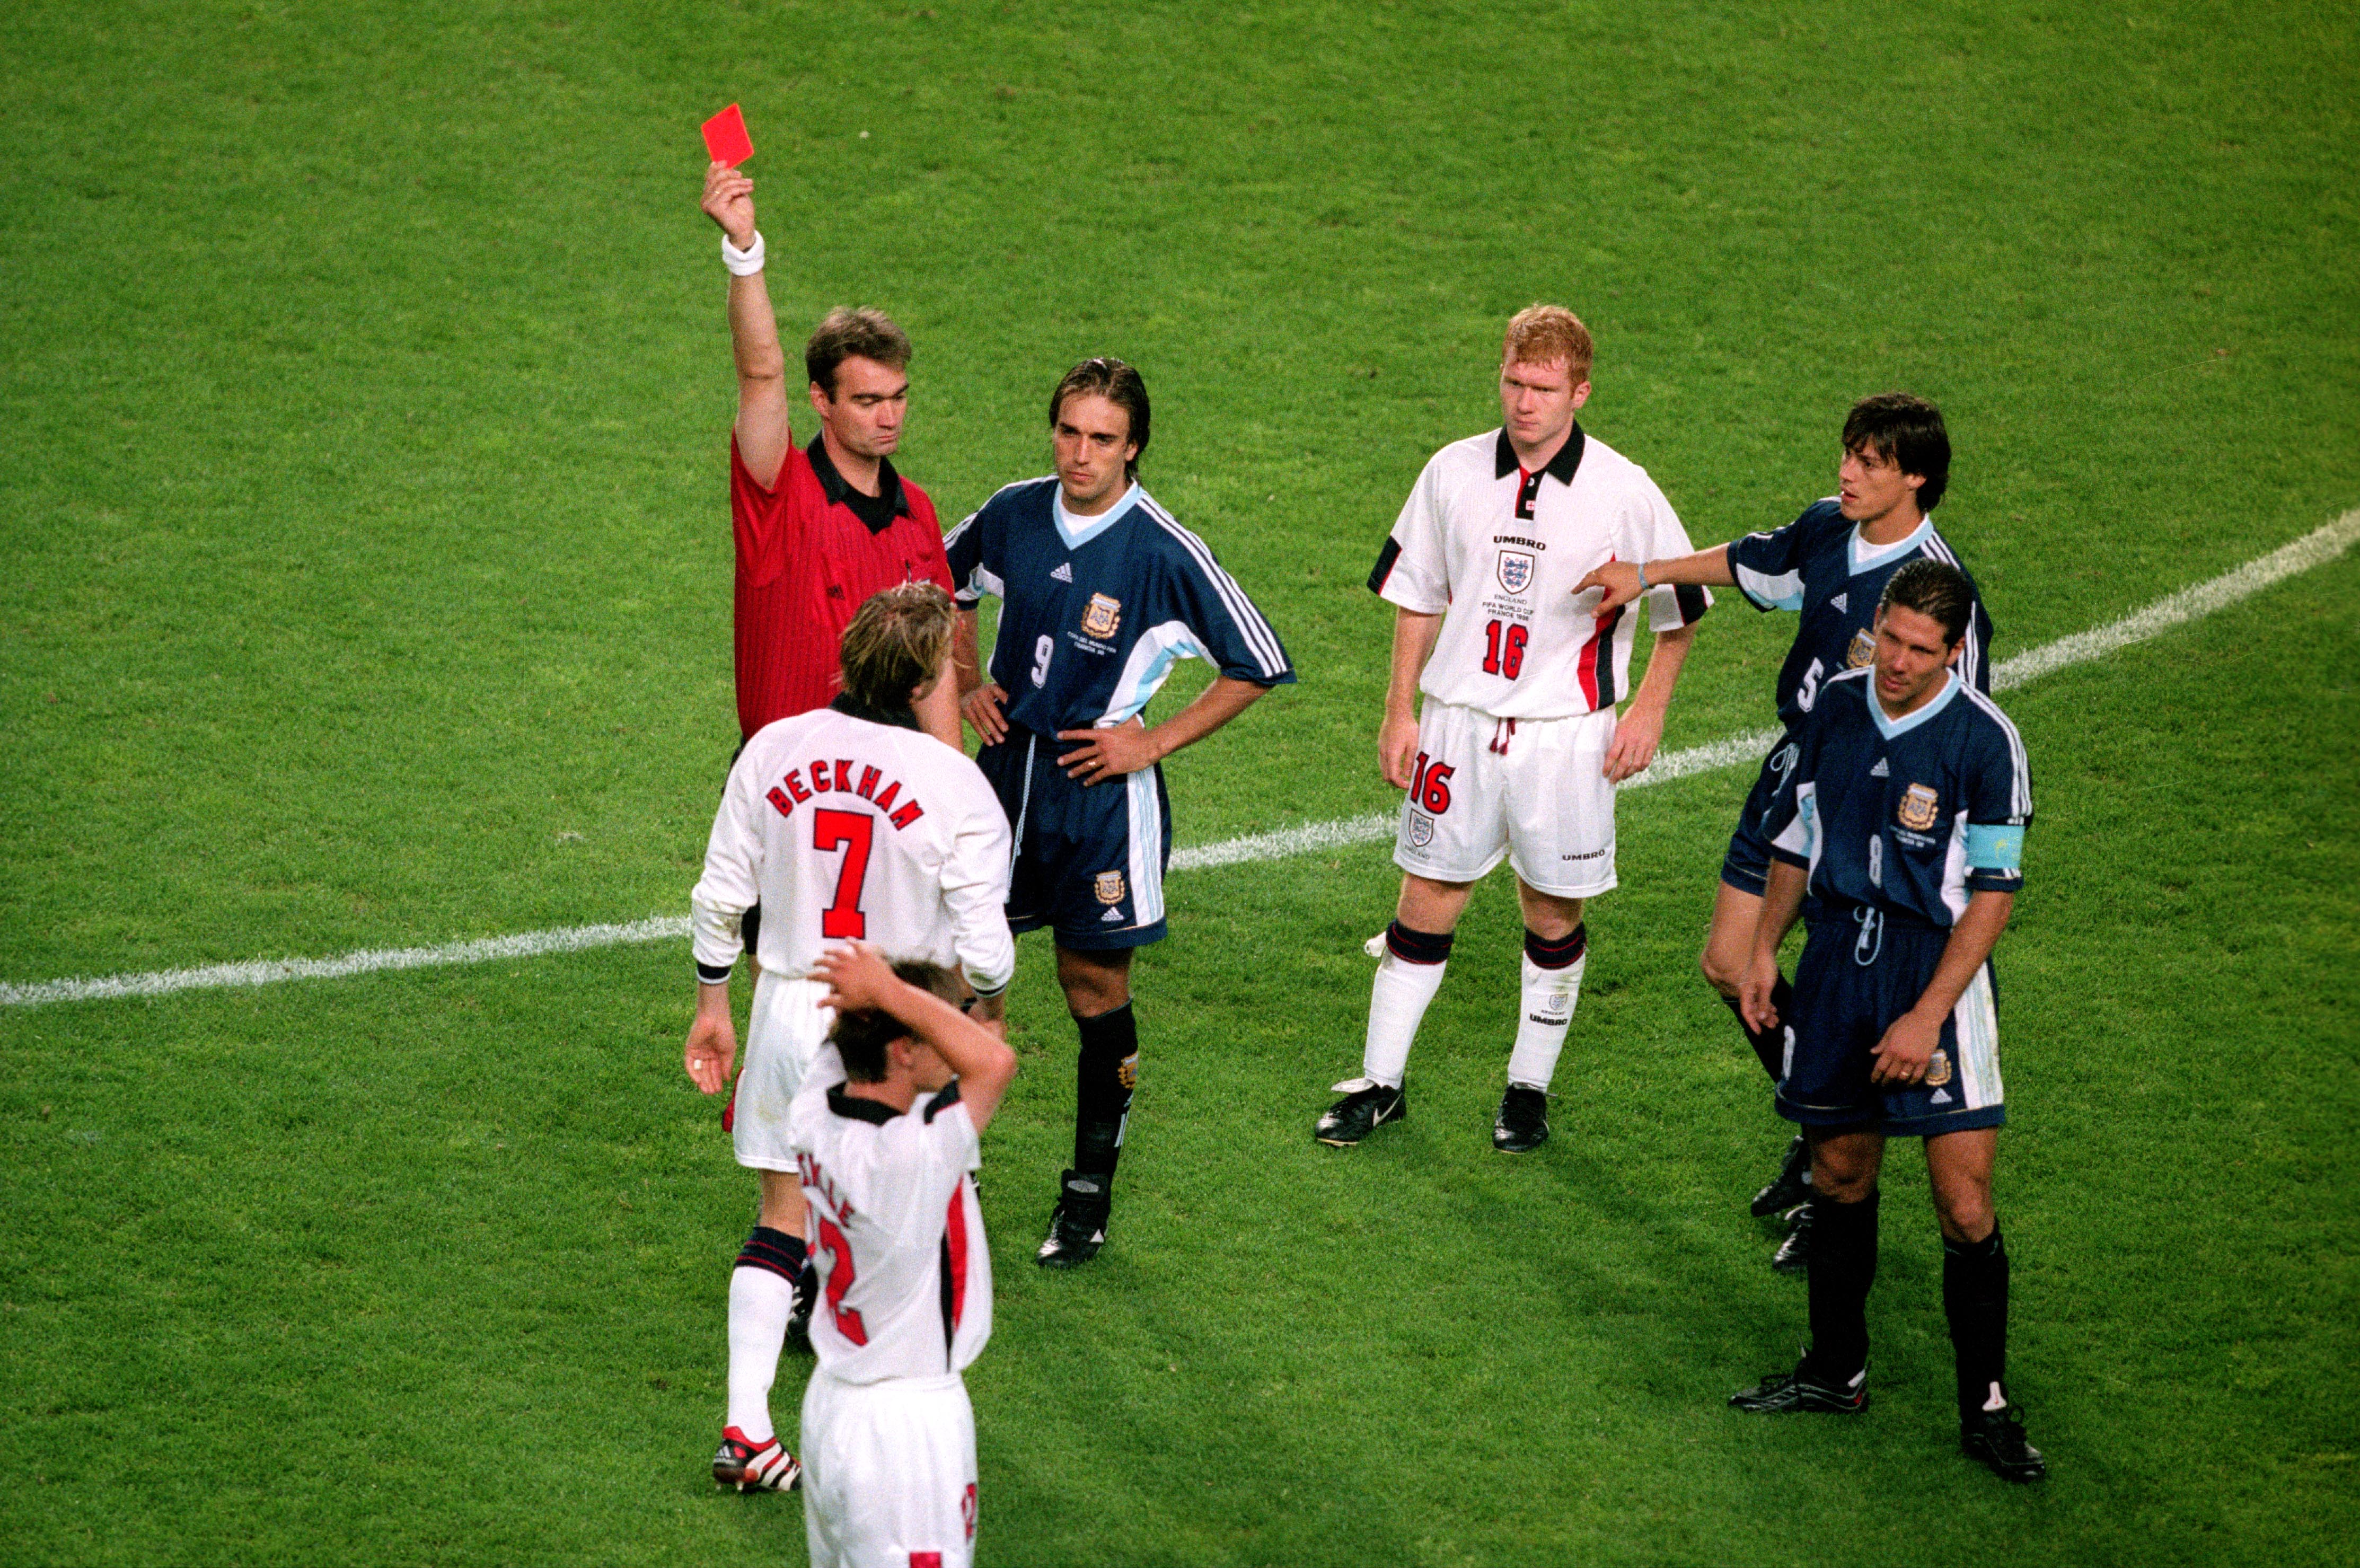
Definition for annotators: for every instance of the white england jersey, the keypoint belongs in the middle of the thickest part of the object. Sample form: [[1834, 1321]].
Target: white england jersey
[[847, 829], [1496, 550], [904, 1275]]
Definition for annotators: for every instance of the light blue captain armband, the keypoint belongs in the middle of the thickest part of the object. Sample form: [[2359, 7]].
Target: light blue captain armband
[[1995, 846]]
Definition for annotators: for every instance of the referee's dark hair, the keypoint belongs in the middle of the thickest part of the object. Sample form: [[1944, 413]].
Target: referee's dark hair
[[1118, 384], [896, 645], [846, 334], [1908, 431], [1935, 588], [861, 1037]]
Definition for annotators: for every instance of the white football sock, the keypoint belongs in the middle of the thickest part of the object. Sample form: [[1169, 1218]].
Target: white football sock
[[760, 1303], [1549, 995], [1397, 1001]]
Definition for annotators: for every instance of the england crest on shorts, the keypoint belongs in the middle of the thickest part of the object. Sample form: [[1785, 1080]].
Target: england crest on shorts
[[1419, 828], [1515, 570], [1919, 805], [1108, 887], [1103, 615]]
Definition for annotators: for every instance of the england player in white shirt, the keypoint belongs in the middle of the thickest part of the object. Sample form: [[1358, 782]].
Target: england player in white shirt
[[887, 1152], [1518, 749], [848, 822]]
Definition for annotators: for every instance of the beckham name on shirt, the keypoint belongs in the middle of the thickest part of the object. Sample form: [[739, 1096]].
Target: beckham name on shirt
[[788, 790]]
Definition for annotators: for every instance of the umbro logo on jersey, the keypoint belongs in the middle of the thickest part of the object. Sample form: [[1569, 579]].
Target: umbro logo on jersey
[[1880, 770], [1064, 572], [1840, 602]]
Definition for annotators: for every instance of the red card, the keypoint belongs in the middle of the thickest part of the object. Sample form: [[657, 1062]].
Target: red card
[[726, 137]]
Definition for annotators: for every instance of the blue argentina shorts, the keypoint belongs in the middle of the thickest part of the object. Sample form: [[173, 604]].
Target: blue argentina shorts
[[1746, 866], [1862, 968], [1089, 861]]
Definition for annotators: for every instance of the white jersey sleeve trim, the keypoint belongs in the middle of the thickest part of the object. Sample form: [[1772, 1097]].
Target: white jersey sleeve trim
[[1151, 658]]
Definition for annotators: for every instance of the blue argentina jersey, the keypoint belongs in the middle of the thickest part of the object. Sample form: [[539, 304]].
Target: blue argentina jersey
[[1909, 817], [1818, 567], [1094, 611]]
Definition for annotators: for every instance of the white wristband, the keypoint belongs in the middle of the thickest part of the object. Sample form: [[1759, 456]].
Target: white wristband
[[742, 263]]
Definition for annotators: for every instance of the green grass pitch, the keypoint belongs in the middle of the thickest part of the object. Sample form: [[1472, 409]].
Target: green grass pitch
[[363, 384]]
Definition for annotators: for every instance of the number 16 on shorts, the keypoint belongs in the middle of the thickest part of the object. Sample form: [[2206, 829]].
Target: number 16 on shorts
[[1429, 797]]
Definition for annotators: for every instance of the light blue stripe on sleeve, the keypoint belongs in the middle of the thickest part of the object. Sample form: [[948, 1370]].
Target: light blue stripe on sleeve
[[1994, 846]]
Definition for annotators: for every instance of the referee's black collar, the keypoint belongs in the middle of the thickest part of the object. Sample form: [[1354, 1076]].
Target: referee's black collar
[[1560, 467], [853, 707], [858, 1108], [876, 512]]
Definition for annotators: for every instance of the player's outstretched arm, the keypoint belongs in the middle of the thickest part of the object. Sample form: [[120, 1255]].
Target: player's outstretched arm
[[1620, 581], [1910, 1040], [1641, 729], [1782, 903], [1127, 747], [858, 976], [763, 433]]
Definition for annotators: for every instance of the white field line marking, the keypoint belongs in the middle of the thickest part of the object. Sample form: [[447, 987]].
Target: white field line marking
[[2313, 548]]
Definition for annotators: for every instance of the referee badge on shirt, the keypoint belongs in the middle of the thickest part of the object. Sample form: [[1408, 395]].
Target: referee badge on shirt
[[1863, 649], [1937, 1069], [1919, 806], [1515, 570], [1101, 618], [1108, 887]]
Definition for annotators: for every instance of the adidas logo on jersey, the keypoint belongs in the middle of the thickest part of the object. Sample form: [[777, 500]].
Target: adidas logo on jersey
[[1840, 602], [1064, 572], [1110, 915], [1880, 770]]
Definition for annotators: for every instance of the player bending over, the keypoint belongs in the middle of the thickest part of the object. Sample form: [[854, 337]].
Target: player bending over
[[846, 823], [886, 1149], [1517, 750], [1100, 592], [1829, 566], [1898, 838]]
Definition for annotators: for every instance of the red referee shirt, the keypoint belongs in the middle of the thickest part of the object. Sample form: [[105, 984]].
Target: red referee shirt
[[809, 554]]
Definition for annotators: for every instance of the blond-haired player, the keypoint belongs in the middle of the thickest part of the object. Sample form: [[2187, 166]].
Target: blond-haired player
[[1518, 749]]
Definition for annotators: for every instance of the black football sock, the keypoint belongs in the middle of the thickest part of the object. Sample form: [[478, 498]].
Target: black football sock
[[1769, 1045], [775, 1251], [1104, 1075], [1974, 1298], [1843, 1266]]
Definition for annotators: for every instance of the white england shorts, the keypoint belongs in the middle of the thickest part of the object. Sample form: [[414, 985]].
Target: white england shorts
[[1531, 789], [784, 1032], [889, 1472]]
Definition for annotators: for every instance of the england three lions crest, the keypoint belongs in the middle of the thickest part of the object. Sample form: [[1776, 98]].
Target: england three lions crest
[[1103, 617], [1516, 571], [1919, 806]]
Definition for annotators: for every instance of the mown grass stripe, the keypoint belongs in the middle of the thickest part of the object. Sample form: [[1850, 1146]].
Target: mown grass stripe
[[2315, 549]]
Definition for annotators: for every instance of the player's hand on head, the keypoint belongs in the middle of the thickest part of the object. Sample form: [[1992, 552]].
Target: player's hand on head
[[857, 975], [981, 707], [729, 202], [1617, 583]]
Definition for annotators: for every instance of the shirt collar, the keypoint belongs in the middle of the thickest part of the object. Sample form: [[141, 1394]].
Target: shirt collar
[[1078, 531], [888, 503], [1561, 468], [853, 707], [1863, 556], [1890, 729], [859, 1109]]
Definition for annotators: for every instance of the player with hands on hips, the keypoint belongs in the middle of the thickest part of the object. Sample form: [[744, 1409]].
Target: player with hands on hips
[[1897, 838], [1101, 591], [851, 822], [1828, 567], [1518, 749], [887, 1140]]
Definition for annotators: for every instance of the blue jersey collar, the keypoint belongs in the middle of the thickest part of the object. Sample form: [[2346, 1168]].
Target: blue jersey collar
[[1893, 728], [1078, 531], [1865, 557]]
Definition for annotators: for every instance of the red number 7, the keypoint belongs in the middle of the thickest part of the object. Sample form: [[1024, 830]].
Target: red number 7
[[850, 831]]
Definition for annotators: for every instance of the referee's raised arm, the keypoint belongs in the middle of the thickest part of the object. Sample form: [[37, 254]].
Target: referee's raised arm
[[762, 427]]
